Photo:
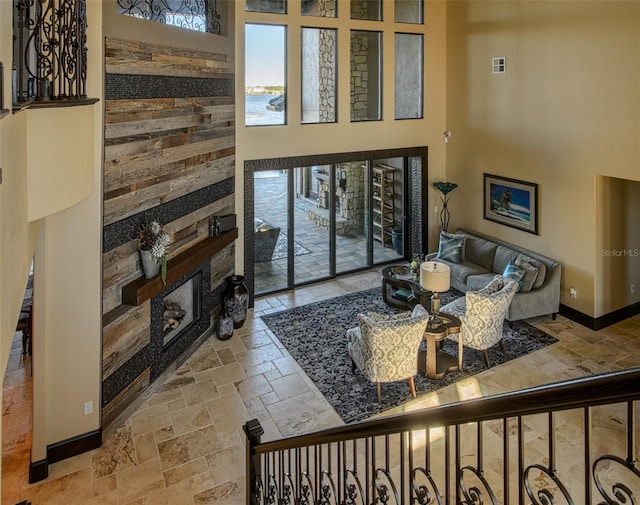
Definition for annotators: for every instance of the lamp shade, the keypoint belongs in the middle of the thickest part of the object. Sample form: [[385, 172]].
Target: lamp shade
[[434, 276]]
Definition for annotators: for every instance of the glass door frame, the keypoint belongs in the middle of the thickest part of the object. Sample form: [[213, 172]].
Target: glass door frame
[[415, 191]]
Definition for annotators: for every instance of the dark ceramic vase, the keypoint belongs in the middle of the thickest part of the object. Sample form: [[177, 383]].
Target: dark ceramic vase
[[225, 326], [235, 299]]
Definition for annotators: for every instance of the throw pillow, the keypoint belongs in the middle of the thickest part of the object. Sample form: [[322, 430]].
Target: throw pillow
[[542, 271], [515, 273], [530, 275], [450, 247]]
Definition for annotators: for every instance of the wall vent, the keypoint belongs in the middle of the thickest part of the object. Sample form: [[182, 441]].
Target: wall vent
[[499, 65]]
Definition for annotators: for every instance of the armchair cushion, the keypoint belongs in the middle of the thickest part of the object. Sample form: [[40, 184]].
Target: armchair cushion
[[386, 348], [482, 313]]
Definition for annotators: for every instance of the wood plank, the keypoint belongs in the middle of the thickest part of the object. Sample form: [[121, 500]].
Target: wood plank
[[141, 290], [154, 125], [126, 334], [119, 152], [186, 181], [134, 48], [200, 219], [144, 168], [222, 267], [138, 105]]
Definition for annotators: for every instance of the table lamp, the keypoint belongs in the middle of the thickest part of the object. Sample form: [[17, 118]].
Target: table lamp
[[434, 277]]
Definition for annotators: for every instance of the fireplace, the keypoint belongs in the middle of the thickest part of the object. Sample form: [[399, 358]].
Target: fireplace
[[181, 308]]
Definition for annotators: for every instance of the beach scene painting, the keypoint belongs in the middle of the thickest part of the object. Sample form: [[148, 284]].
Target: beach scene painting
[[511, 202]]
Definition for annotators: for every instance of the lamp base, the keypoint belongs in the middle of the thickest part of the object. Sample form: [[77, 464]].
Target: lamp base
[[434, 319]]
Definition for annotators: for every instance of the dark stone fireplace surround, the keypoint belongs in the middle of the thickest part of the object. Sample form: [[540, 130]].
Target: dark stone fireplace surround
[[155, 355]]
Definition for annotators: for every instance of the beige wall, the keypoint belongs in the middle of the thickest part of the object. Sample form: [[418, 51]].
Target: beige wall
[[618, 243], [67, 320], [295, 139], [566, 110], [57, 175], [16, 249], [17, 238]]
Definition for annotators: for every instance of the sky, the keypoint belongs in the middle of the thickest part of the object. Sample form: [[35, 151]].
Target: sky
[[264, 55]]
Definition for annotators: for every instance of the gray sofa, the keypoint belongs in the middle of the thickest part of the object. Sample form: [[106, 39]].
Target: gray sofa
[[484, 256]]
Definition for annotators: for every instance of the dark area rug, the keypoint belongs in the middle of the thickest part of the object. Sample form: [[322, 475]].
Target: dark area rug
[[315, 335]]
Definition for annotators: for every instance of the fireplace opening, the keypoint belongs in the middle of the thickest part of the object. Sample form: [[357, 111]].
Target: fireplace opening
[[181, 308]]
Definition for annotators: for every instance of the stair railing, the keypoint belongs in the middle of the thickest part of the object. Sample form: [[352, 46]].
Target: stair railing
[[50, 53], [571, 442]]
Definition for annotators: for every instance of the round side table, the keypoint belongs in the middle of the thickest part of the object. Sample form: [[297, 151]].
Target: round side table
[[434, 362]]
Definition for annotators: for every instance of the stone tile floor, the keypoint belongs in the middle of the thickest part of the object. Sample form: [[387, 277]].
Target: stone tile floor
[[185, 444]]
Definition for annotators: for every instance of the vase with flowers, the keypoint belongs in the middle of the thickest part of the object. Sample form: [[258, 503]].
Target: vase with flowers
[[152, 243], [444, 188]]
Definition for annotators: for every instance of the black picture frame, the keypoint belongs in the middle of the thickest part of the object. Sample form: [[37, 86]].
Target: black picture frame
[[511, 202]]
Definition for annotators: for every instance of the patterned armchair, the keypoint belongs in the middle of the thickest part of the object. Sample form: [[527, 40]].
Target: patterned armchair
[[482, 314], [385, 347]]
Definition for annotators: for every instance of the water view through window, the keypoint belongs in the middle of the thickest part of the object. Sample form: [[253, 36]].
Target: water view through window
[[265, 99]]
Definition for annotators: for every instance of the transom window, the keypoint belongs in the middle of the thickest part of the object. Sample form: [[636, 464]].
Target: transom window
[[266, 75]]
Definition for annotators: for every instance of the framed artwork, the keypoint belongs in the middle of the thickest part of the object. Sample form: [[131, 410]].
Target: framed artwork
[[511, 202]]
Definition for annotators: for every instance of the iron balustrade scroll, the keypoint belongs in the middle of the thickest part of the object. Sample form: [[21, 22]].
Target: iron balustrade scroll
[[197, 15], [50, 50], [571, 442]]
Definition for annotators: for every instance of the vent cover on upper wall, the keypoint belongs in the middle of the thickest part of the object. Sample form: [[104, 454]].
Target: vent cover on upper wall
[[499, 65]]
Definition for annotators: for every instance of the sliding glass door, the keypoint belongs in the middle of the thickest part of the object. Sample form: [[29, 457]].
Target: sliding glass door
[[271, 230], [318, 221], [312, 225]]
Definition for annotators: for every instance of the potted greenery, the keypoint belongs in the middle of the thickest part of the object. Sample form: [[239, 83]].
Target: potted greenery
[[152, 243]]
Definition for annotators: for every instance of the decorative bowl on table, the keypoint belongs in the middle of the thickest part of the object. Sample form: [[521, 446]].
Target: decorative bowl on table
[[402, 272]]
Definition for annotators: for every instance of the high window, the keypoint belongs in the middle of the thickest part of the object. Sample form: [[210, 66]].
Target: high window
[[265, 98], [271, 32], [318, 83]]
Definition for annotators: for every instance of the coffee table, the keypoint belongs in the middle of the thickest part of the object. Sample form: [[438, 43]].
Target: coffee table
[[391, 283], [434, 362]]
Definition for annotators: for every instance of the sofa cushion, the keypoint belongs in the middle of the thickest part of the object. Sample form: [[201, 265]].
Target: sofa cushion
[[451, 247], [479, 281], [515, 273], [504, 255], [461, 271], [480, 251], [531, 272]]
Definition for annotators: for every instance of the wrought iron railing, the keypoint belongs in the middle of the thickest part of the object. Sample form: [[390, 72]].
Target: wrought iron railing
[[50, 52], [572, 443], [198, 15]]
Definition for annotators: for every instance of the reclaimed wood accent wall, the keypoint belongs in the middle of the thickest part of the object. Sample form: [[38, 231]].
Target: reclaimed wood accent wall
[[169, 156]]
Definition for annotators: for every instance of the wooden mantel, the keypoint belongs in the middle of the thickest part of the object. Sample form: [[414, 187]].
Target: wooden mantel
[[141, 290]]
